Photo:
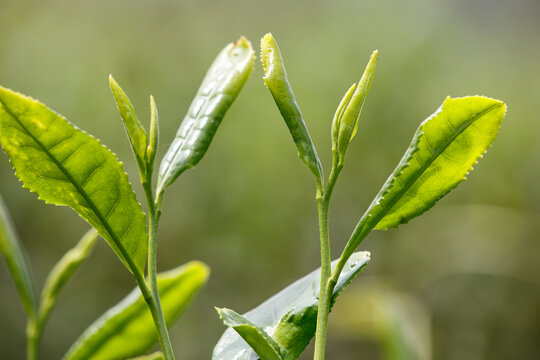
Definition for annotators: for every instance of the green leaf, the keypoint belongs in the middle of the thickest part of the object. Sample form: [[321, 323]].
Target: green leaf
[[66, 166], [442, 152], [63, 271], [275, 78], [219, 89], [127, 329], [256, 337], [345, 123], [153, 143], [134, 129], [158, 355], [289, 317], [17, 262]]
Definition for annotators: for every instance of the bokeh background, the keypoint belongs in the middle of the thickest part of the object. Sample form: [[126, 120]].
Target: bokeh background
[[460, 282]]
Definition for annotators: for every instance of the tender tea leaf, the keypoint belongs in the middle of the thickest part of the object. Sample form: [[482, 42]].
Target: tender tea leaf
[[66, 166], [275, 78], [219, 89], [256, 337], [442, 152], [127, 329], [158, 355], [17, 262], [134, 129], [63, 271], [289, 317], [345, 122], [153, 143]]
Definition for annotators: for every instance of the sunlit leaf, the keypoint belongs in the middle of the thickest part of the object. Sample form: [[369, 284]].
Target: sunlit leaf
[[222, 83], [134, 129], [289, 317], [17, 263], [66, 166], [127, 329], [442, 152], [275, 78]]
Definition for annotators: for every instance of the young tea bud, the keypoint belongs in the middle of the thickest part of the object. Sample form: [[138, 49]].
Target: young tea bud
[[346, 118]]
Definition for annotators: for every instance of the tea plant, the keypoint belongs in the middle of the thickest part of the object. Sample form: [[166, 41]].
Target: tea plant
[[442, 152], [66, 166]]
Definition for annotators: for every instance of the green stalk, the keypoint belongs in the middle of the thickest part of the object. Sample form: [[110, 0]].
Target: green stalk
[[326, 289], [33, 336], [155, 304]]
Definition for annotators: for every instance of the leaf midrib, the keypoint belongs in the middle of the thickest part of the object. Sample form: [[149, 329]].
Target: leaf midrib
[[86, 197]]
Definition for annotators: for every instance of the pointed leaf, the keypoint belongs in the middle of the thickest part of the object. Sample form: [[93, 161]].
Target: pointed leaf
[[153, 143], [442, 152], [345, 122], [127, 329], [134, 129], [219, 89], [256, 337], [158, 355], [63, 271], [290, 316], [66, 166], [17, 262], [275, 78]]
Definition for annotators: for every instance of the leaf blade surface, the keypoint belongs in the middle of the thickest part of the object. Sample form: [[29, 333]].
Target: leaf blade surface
[[66, 166], [127, 329], [289, 317]]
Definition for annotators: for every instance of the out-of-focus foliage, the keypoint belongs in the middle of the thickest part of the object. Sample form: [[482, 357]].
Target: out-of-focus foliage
[[250, 183]]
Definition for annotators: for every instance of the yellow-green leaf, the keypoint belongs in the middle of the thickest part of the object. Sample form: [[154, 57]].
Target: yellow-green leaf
[[66, 166], [442, 152], [127, 329]]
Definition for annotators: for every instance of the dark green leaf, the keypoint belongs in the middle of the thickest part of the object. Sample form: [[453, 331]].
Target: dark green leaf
[[66, 166], [442, 152], [127, 329], [63, 271], [290, 316], [17, 263], [219, 89], [134, 129], [275, 78]]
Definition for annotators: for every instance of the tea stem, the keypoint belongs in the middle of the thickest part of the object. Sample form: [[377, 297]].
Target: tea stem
[[326, 289], [157, 312]]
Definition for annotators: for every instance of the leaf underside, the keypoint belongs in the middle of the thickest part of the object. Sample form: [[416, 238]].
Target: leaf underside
[[127, 330], [66, 166], [443, 151], [289, 317]]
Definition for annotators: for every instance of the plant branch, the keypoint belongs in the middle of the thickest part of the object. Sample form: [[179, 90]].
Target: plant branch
[[325, 292], [155, 304]]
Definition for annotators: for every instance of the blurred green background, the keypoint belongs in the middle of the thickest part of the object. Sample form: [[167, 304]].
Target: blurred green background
[[468, 270]]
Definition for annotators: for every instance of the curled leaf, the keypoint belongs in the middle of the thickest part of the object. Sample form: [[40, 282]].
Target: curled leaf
[[220, 87], [275, 78], [345, 122]]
